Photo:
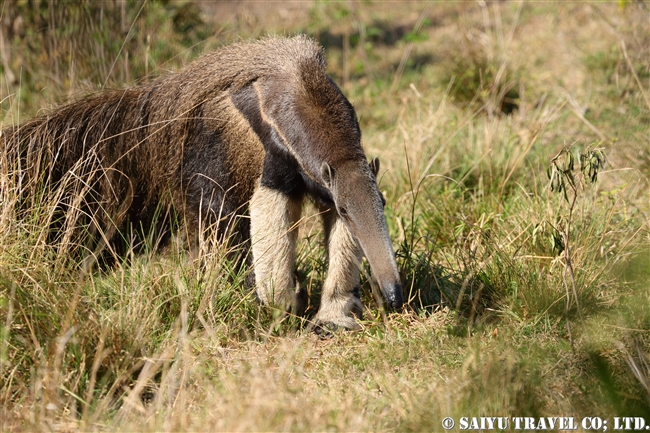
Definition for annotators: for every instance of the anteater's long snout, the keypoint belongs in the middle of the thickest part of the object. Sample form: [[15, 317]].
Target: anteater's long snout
[[379, 252], [368, 225], [393, 295]]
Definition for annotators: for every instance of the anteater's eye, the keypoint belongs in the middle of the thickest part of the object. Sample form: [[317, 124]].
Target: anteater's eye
[[343, 212]]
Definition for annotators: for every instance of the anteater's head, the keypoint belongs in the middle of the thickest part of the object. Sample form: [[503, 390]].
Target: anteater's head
[[360, 205]]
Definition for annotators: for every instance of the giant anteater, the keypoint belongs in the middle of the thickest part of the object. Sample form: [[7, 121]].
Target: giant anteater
[[252, 128]]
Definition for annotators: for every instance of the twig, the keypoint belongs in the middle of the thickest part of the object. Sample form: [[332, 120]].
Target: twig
[[636, 77], [407, 50]]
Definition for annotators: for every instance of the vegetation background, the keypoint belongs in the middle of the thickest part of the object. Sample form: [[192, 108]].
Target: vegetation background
[[523, 301]]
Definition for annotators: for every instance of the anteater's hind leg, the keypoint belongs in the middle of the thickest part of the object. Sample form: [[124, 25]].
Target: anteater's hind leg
[[274, 234]]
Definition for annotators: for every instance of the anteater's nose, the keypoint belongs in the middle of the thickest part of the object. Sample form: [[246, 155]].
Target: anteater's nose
[[393, 296]]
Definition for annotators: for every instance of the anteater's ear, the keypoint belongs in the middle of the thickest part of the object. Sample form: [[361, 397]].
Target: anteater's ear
[[327, 173], [374, 165]]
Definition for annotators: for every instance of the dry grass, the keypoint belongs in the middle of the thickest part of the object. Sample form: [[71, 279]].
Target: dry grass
[[162, 342]]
